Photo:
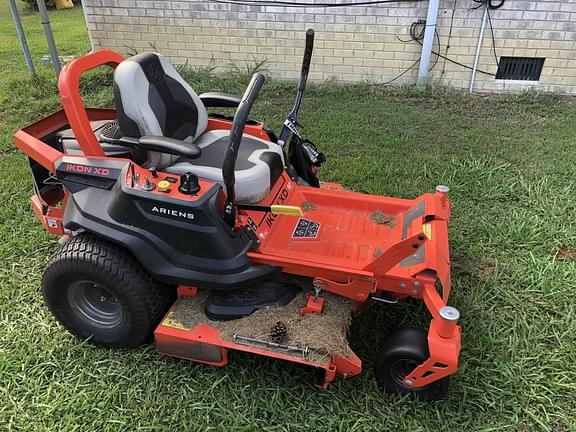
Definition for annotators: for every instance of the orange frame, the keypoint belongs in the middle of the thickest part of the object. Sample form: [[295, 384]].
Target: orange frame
[[357, 280]]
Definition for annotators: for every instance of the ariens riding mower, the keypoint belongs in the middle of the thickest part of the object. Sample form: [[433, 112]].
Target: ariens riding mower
[[210, 234]]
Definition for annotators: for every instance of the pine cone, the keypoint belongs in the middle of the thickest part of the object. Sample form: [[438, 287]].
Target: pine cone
[[279, 333]]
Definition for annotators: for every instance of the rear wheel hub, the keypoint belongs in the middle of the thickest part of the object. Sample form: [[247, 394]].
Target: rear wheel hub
[[95, 304]]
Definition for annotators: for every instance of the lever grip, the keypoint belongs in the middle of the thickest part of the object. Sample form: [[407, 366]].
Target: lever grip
[[309, 47], [243, 110]]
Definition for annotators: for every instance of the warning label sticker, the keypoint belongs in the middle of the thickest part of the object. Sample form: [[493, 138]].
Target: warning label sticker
[[427, 228], [306, 229]]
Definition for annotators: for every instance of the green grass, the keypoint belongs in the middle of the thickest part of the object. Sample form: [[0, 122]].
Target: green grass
[[510, 162]]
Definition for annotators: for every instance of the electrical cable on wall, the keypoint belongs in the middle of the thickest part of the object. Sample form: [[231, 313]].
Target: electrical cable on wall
[[493, 38], [401, 74], [490, 4], [309, 5], [449, 35], [417, 36], [414, 36], [461, 64]]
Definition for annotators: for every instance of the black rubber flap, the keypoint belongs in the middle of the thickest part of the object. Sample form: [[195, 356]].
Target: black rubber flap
[[230, 305]]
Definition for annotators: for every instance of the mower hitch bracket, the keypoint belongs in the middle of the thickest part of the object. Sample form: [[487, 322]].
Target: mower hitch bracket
[[314, 305]]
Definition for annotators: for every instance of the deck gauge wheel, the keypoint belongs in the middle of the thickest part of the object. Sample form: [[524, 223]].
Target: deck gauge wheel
[[403, 351]]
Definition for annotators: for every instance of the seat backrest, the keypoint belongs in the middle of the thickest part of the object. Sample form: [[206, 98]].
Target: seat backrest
[[153, 99]]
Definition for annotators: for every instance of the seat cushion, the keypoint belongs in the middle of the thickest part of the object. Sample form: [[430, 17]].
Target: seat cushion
[[258, 166]]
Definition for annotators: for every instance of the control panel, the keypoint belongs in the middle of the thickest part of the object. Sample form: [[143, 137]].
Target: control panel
[[187, 186]]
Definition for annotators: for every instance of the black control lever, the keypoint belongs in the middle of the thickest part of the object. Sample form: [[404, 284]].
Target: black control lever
[[291, 121], [229, 165]]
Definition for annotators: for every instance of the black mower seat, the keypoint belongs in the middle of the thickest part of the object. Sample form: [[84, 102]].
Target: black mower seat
[[153, 99], [70, 145]]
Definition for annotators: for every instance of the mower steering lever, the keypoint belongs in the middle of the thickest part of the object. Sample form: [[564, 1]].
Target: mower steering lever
[[238, 124], [291, 121]]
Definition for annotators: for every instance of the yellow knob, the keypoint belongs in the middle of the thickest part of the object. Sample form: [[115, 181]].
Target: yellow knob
[[163, 186]]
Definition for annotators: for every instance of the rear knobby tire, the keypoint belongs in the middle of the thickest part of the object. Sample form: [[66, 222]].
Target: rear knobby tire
[[99, 292], [401, 353]]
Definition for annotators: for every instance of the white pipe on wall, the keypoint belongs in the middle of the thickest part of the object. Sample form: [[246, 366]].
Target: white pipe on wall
[[426, 54], [478, 48]]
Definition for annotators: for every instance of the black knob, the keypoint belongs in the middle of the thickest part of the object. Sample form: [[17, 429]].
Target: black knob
[[189, 184]]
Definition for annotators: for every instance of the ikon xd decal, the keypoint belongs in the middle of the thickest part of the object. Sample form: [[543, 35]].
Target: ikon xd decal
[[86, 169]]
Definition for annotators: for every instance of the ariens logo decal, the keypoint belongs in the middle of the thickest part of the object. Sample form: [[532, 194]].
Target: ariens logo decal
[[179, 214]]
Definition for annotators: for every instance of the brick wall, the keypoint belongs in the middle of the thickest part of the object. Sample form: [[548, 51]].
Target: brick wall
[[352, 43]]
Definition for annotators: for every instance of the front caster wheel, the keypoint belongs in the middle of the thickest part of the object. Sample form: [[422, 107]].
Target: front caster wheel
[[98, 291], [402, 352]]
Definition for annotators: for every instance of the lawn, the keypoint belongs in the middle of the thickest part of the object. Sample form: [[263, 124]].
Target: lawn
[[510, 162]]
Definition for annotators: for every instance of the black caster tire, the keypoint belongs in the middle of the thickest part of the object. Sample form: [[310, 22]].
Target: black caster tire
[[401, 353], [99, 292]]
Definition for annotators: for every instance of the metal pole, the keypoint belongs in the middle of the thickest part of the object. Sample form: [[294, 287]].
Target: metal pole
[[83, 6], [478, 47], [22, 37], [427, 44], [49, 37]]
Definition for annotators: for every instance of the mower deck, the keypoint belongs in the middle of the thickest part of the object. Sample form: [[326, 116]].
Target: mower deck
[[349, 232], [314, 340]]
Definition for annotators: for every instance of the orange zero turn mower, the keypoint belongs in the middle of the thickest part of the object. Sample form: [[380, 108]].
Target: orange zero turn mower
[[212, 234]]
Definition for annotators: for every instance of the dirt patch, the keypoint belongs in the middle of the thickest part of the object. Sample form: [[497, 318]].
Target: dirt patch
[[565, 253], [323, 335], [308, 206], [486, 268], [381, 219]]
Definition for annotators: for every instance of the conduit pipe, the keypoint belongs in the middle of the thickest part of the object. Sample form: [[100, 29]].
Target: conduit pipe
[[478, 48], [427, 43]]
